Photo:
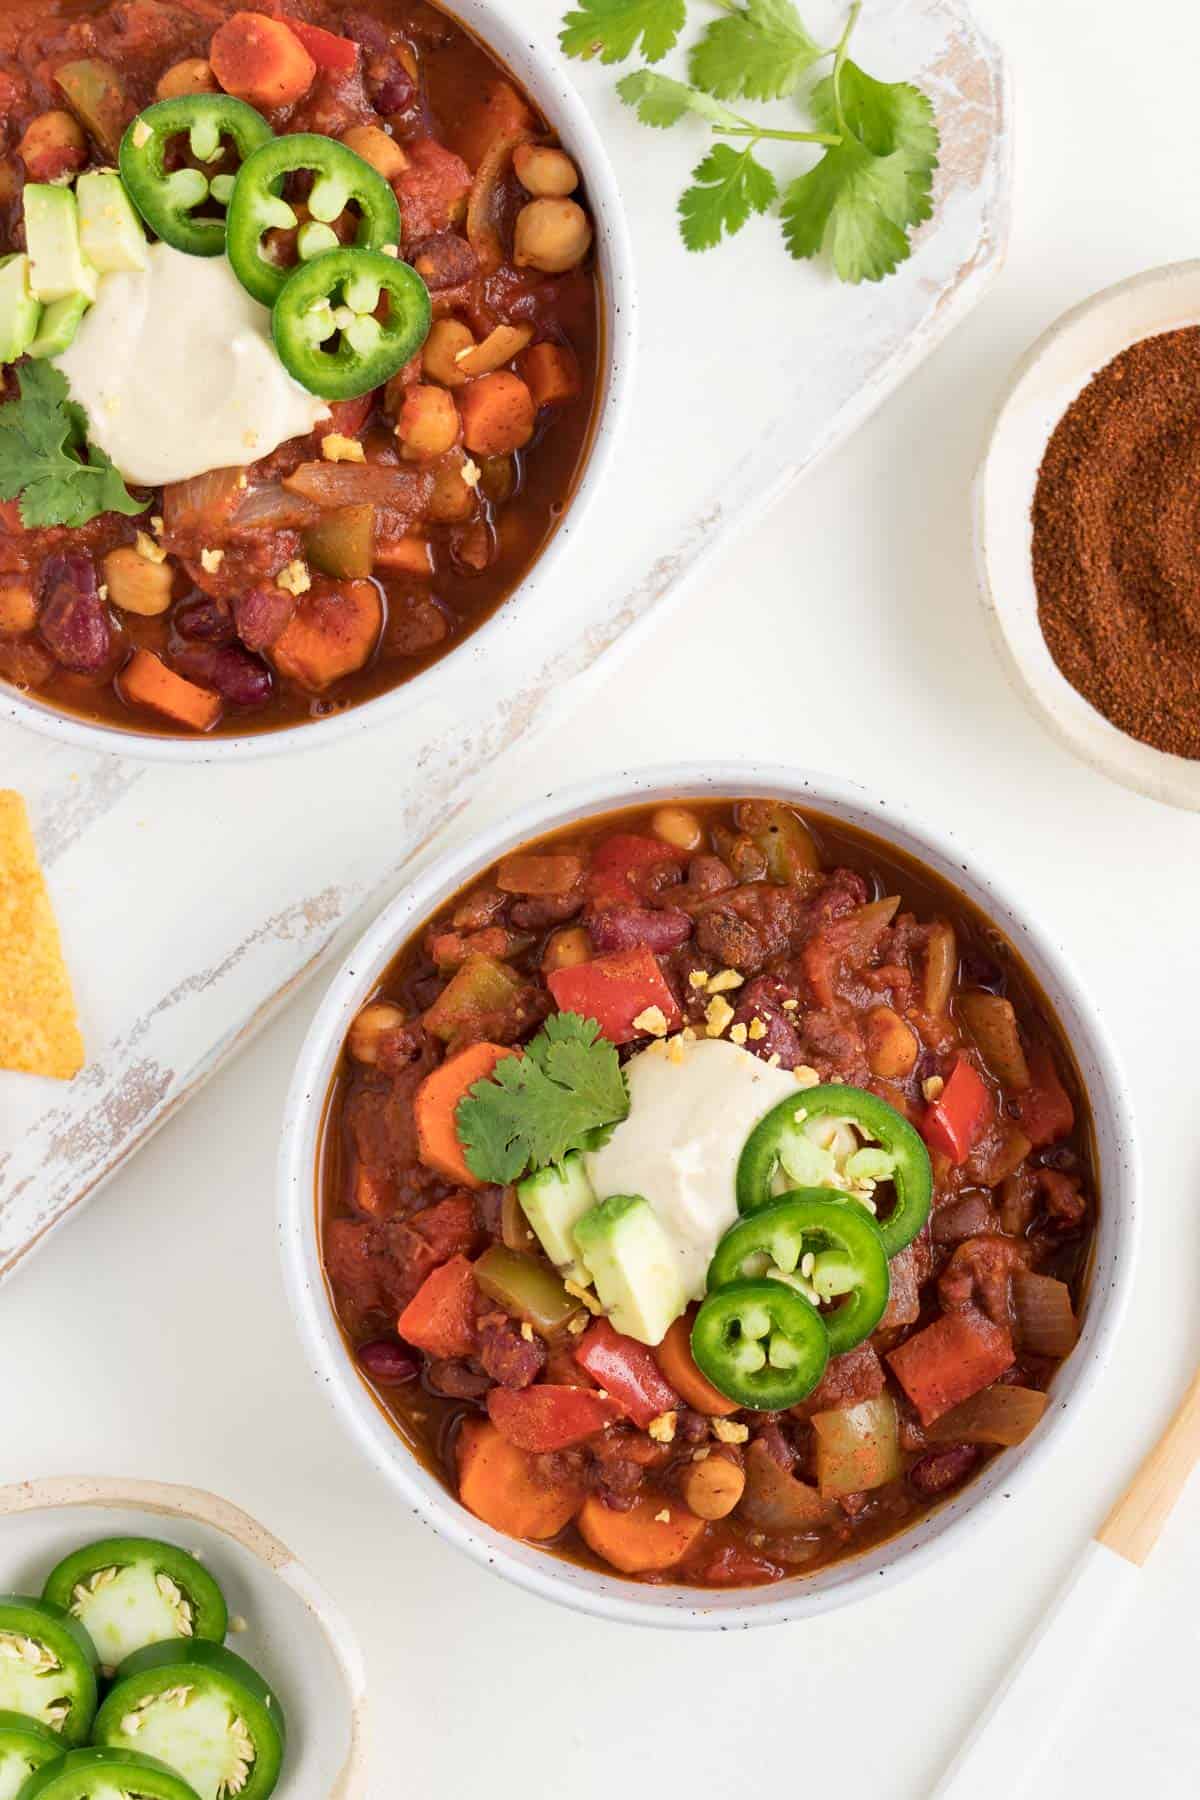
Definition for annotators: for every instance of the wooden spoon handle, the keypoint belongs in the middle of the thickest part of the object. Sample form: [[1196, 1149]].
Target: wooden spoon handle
[[1133, 1525]]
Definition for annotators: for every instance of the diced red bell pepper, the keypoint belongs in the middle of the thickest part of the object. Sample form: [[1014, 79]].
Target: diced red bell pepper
[[440, 1317], [327, 50], [615, 990], [626, 1370], [544, 1417], [617, 860], [1044, 1108], [955, 1357], [954, 1121]]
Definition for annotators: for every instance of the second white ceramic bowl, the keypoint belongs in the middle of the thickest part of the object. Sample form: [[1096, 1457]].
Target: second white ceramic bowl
[[584, 1588], [501, 27], [1048, 379]]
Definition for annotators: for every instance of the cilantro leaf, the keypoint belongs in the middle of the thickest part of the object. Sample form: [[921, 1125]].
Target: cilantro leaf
[[860, 201], [610, 29], [565, 1093], [45, 458], [760, 50], [728, 186], [661, 101]]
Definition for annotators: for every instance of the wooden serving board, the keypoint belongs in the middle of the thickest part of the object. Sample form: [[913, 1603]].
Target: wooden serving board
[[192, 901]]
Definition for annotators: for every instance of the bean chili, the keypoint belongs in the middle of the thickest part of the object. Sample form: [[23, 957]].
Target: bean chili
[[920, 1001], [304, 585]]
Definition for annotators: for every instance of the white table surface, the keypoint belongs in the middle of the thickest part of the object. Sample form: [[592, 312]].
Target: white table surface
[[152, 1337]]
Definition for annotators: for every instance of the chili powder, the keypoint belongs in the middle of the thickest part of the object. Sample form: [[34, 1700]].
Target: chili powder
[[1116, 542]]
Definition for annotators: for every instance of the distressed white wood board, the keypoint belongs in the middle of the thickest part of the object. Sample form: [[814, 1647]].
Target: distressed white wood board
[[193, 900]]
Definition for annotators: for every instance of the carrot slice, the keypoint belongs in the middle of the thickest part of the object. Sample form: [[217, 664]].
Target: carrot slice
[[148, 682], [655, 1533], [440, 1317], [502, 1486], [332, 632], [258, 59], [675, 1359], [436, 1103], [950, 1360]]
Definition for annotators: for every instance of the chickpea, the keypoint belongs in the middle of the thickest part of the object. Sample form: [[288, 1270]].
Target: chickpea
[[53, 146], [712, 1488], [370, 1025], [892, 1046], [137, 585], [548, 174], [428, 424], [438, 359], [678, 826], [452, 499], [566, 948], [18, 609], [551, 235], [498, 479], [192, 76], [378, 148]]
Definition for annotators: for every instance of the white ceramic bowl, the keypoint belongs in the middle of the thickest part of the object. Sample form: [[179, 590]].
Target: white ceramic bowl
[[1054, 372], [294, 1634], [542, 72], [585, 1588]]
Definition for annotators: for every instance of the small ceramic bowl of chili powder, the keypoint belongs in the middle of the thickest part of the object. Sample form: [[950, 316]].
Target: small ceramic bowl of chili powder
[[1087, 531]]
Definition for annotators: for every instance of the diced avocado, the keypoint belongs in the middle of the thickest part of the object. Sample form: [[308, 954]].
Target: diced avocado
[[19, 310], [633, 1263], [60, 322], [110, 232], [554, 1200], [57, 264]]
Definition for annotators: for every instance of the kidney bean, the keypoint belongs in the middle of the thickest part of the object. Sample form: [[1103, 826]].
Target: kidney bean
[[262, 616], [977, 970], [74, 621], [963, 1218], [387, 1359], [628, 927], [942, 1469], [444, 261], [233, 673], [393, 91], [205, 619]]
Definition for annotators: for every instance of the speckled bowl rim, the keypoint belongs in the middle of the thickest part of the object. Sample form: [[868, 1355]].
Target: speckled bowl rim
[[801, 1596], [168, 1501], [499, 25], [1008, 603]]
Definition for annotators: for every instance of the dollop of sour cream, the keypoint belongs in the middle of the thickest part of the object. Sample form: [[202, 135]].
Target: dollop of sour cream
[[692, 1105], [174, 366]]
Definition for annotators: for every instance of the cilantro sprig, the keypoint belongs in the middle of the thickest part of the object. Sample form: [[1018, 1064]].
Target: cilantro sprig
[[564, 1092], [857, 204], [46, 460]]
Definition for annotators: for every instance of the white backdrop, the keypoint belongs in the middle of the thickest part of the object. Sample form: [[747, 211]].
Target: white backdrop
[[152, 1337]]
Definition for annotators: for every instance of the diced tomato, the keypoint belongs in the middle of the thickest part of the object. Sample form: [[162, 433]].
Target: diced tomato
[[617, 860], [544, 1417], [1045, 1108], [440, 1317], [954, 1121], [626, 1370], [955, 1357], [346, 417], [327, 50], [615, 990], [849, 1379], [741, 1568]]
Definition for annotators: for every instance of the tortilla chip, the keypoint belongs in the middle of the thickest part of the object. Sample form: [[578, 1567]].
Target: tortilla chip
[[39, 1027]]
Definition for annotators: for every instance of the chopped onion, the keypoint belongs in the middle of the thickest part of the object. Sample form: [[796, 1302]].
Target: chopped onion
[[999, 1415], [775, 1500], [1043, 1315], [941, 966], [404, 492], [485, 207], [858, 1447], [500, 345], [203, 500], [272, 507]]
